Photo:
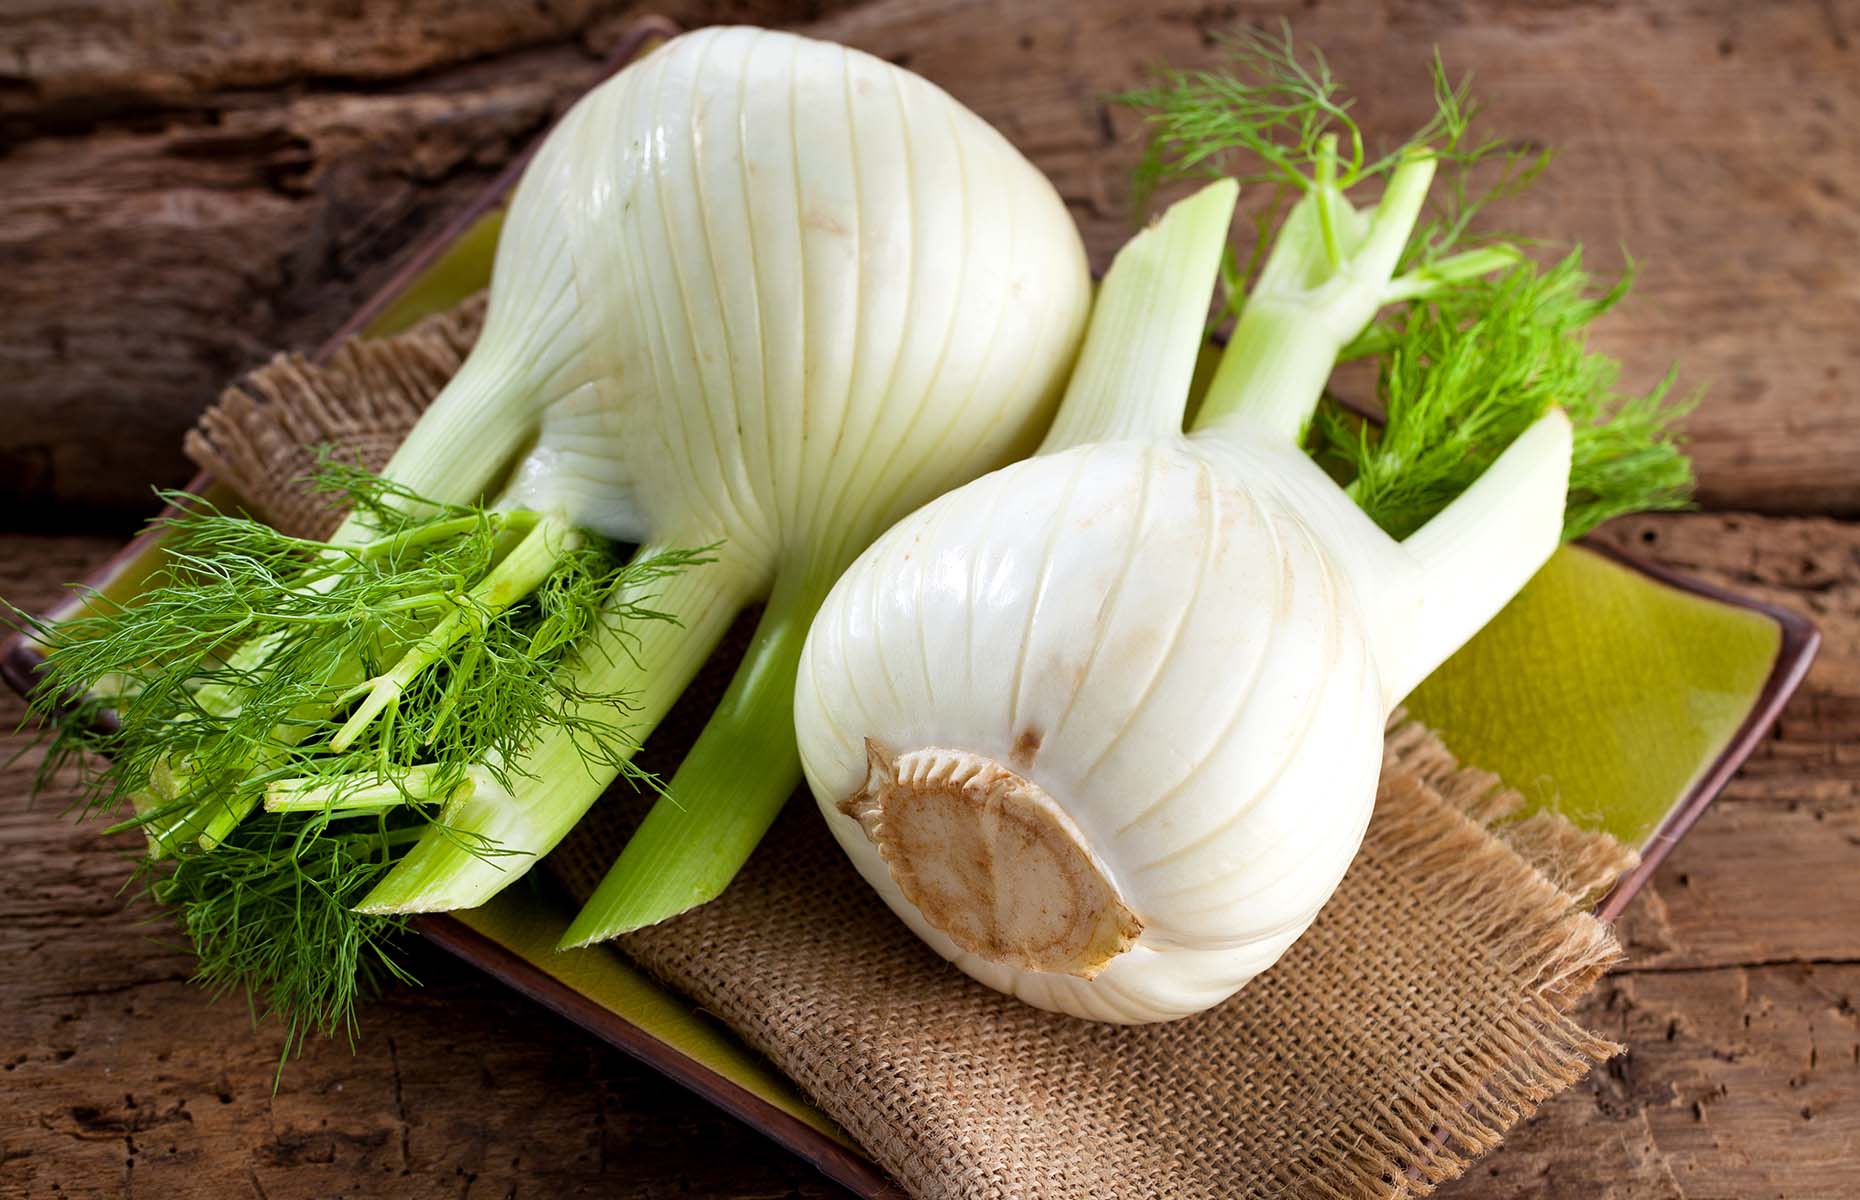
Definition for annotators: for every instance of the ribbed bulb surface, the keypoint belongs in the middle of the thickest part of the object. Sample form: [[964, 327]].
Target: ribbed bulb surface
[[1166, 656], [809, 291]]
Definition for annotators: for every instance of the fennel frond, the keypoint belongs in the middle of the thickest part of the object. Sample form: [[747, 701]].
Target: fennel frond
[[1464, 372], [235, 671], [1479, 341]]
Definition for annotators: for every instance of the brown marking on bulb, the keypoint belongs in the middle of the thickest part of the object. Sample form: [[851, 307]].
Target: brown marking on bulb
[[990, 860], [1027, 747], [822, 218]]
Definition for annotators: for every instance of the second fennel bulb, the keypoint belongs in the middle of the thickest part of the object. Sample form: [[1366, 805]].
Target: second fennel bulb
[[1104, 727]]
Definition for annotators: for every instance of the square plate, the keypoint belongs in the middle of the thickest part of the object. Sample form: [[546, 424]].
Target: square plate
[[1615, 692]]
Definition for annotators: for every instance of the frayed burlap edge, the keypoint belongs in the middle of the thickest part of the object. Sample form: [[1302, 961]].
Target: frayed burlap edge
[[1443, 834], [1582, 862], [264, 433], [1473, 855]]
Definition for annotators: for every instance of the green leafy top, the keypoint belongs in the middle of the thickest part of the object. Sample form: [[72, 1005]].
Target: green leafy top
[[1272, 117], [1463, 373], [233, 670], [1267, 116], [1467, 358]]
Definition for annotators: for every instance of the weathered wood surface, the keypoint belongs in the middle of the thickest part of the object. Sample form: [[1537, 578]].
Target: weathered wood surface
[[185, 188]]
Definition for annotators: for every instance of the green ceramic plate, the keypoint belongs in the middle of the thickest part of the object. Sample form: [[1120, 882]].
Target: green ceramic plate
[[1610, 691]]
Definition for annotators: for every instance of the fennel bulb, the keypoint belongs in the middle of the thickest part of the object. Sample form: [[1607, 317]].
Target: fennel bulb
[[756, 297], [784, 292], [1104, 726]]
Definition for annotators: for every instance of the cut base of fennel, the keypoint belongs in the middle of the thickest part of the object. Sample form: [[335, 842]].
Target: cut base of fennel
[[988, 858]]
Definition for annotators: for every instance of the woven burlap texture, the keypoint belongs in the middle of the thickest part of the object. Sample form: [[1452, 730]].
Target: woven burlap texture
[[1424, 1013]]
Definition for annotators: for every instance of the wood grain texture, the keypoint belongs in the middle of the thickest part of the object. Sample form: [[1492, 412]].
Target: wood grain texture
[[184, 188], [188, 187]]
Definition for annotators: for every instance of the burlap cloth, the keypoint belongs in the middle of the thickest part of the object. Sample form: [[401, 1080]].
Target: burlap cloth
[[1420, 1018]]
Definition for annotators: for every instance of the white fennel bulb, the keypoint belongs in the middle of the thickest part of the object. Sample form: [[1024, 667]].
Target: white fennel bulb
[[1104, 726], [772, 291], [758, 292]]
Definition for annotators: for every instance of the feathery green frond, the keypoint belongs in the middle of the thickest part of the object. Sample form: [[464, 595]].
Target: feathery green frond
[[1465, 372], [236, 668], [1469, 358], [1274, 115]]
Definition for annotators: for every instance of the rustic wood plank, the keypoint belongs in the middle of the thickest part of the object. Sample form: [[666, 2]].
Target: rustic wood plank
[[188, 188], [1738, 1083], [81, 63]]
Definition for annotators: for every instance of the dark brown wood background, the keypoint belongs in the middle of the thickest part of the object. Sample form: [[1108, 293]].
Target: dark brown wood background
[[186, 187]]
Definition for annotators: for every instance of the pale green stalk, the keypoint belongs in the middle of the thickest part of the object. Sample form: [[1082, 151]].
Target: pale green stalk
[[1146, 328], [466, 439], [560, 777], [725, 794], [1304, 310], [519, 573], [425, 783]]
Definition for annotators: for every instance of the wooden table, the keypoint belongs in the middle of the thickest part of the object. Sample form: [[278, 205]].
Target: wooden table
[[184, 190]]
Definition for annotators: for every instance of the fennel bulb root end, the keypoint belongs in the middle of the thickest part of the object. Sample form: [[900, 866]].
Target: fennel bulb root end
[[992, 861]]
